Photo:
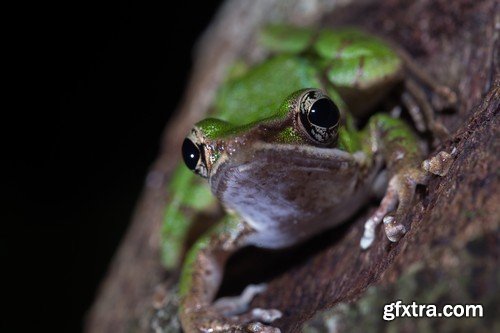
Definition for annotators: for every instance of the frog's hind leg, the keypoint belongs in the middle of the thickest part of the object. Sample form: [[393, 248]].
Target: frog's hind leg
[[236, 306], [201, 278], [414, 111], [447, 95], [420, 105], [421, 111]]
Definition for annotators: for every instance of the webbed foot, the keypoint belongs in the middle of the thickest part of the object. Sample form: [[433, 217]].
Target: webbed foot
[[236, 308], [399, 195], [234, 305], [232, 314]]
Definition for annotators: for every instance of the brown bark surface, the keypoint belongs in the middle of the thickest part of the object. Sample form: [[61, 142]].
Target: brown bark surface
[[453, 242]]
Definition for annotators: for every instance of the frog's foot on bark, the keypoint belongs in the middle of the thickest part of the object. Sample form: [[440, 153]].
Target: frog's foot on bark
[[422, 112], [394, 206], [256, 320], [229, 306], [260, 328], [443, 97], [400, 193], [211, 321], [230, 314], [237, 310], [423, 96]]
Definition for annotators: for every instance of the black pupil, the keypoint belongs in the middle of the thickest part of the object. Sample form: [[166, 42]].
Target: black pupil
[[324, 113], [190, 153]]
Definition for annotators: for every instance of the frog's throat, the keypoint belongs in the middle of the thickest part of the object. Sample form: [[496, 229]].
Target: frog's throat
[[288, 192]]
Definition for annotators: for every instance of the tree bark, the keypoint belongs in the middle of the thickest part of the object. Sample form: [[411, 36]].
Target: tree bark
[[450, 254]]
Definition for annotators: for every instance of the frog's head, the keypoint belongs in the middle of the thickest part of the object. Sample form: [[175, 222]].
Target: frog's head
[[307, 117]]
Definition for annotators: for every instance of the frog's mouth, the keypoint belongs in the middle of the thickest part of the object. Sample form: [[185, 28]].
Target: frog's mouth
[[271, 162]]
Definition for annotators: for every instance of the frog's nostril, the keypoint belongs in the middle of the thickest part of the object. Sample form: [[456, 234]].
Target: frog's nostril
[[190, 154]]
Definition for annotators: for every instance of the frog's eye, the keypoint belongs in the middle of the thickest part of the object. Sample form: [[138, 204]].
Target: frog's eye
[[191, 154], [319, 117]]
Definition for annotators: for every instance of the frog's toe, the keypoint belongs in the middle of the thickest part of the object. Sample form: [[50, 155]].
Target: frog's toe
[[256, 320], [261, 328], [439, 164], [394, 230], [258, 315], [388, 204], [397, 200], [366, 241], [266, 315]]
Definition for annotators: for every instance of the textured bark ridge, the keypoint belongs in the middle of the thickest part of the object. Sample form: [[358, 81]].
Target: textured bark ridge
[[449, 256]]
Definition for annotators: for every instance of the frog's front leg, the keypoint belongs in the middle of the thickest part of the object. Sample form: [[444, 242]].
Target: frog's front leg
[[201, 278], [400, 149], [398, 196]]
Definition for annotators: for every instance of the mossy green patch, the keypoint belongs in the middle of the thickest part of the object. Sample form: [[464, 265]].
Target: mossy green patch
[[188, 193], [259, 93]]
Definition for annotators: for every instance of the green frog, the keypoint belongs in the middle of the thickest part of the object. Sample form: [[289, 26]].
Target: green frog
[[283, 155]]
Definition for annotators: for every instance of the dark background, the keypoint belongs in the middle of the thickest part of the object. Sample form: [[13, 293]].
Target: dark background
[[109, 74]]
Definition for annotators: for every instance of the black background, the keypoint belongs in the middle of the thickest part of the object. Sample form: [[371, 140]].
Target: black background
[[106, 76]]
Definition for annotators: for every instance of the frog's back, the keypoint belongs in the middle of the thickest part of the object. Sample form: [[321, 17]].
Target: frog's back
[[258, 93], [360, 67]]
